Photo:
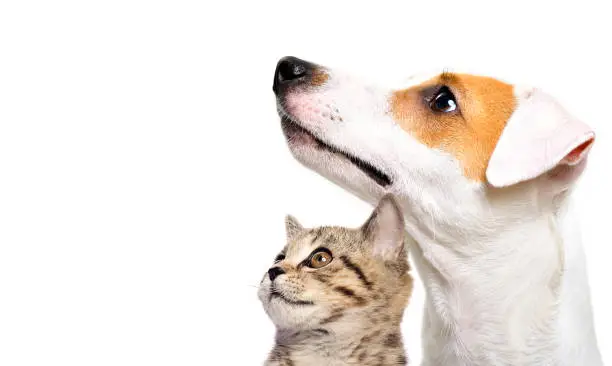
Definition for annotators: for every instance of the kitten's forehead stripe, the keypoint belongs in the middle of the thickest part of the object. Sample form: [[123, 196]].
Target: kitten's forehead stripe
[[317, 235]]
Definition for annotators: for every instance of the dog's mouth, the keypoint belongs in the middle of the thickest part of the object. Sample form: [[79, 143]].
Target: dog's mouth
[[294, 132]]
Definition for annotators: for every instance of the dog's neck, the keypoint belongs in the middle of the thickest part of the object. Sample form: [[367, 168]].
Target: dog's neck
[[501, 297]]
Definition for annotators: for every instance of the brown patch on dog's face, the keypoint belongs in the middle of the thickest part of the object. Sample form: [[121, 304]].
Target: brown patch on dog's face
[[319, 77], [471, 131]]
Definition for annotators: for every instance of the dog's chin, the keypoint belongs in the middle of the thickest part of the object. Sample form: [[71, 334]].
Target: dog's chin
[[353, 173]]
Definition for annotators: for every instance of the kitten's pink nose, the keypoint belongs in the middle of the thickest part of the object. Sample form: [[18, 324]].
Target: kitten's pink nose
[[275, 272]]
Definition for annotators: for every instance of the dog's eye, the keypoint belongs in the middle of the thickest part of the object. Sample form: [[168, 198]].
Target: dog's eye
[[443, 101], [319, 258], [279, 258]]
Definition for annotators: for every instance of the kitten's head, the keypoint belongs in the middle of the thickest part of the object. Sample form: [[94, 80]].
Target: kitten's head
[[330, 275]]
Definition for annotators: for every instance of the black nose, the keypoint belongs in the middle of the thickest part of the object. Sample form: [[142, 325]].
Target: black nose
[[275, 272], [291, 71]]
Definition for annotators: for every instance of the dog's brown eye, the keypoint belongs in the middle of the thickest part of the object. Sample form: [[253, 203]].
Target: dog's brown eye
[[319, 259], [443, 101]]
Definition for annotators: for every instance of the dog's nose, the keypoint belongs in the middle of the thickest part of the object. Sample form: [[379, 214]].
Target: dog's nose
[[275, 272], [290, 71]]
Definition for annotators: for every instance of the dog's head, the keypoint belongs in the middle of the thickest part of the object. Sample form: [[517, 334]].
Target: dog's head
[[443, 138]]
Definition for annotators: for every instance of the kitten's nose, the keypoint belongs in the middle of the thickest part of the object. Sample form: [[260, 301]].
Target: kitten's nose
[[275, 272]]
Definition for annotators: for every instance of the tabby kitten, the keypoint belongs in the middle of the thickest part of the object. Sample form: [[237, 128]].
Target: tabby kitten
[[337, 295]]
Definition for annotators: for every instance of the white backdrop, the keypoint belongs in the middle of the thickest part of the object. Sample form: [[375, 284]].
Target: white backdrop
[[144, 178]]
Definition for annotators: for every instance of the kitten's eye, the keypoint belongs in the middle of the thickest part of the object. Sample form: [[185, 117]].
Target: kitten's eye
[[320, 258], [443, 101], [279, 258]]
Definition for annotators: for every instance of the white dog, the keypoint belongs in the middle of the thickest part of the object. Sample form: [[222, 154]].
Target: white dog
[[484, 171]]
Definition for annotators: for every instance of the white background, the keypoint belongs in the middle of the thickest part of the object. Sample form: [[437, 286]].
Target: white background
[[144, 178]]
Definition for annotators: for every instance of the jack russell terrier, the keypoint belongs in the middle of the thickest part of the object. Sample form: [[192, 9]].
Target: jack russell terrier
[[484, 172]]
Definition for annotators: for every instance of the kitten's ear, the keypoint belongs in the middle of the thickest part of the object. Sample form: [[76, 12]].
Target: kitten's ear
[[292, 227], [384, 230]]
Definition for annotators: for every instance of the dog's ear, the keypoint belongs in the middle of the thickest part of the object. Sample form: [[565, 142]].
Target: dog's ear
[[292, 227], [539, 137], [384, 230]]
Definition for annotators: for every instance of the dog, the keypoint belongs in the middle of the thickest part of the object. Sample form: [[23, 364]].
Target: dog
[[484, 172]]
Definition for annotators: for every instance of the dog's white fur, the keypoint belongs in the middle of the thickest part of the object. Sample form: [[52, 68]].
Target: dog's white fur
[[503, 268]]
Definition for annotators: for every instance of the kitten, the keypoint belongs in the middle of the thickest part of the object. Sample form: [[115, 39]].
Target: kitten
[[337, 295]]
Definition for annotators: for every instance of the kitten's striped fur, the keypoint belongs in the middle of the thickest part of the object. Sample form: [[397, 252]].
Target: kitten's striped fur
[[349, 311]]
